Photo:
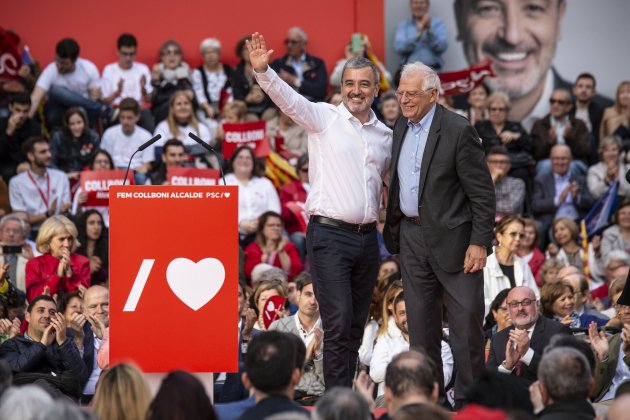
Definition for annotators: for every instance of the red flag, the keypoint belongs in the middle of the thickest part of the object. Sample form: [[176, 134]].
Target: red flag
[[463, 81]]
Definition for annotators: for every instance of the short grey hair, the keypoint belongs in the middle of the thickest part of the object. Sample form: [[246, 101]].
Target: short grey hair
[[617, 255], [609, 141], [209, 43], [566, 374], [299, 31], [342, 403], [418, 69], [24, 402], [12, 217], [359, 63]]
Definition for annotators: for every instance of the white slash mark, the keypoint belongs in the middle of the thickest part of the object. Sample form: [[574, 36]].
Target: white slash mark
[[138, 285]]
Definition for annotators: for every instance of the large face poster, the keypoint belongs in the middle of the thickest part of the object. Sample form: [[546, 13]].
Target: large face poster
[[531, 42]]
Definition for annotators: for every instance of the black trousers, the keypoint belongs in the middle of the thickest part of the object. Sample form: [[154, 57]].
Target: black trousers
[[344, 266], [427, 286]]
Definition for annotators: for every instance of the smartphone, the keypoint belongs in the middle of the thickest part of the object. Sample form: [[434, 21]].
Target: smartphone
[[11, 249], [356, 42]]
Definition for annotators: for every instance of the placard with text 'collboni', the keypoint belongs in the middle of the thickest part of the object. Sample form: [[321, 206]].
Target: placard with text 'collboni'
[[174, 277]]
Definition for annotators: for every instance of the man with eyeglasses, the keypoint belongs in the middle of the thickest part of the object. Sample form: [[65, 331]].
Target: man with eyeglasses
[[509, 191], [561, 192], [128, 78], [560, 127], [349, 158], [440, 218], [517, 350], [303, 72], [613, 353]]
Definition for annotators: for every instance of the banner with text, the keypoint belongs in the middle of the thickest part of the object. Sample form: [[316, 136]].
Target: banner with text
[[174, 271], [250, 134], [96, 184], [177, 175]]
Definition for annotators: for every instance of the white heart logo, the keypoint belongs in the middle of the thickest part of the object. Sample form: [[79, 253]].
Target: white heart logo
[[195, 284], [227, 194]]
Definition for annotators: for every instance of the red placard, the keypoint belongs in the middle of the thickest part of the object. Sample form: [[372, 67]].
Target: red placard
[[463, 81], [273, 305], [298, 209], [174, 277], [177, 175], [96, 184], [250, 134]]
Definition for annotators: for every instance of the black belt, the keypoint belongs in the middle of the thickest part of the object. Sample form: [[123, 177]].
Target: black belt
[[415, 220], [358, 228]]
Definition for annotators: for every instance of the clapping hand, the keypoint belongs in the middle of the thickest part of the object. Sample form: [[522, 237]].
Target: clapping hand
[[598, 341]]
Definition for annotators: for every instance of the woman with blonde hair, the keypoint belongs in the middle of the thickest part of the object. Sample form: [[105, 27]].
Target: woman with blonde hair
[[122, 393], [58, 269], [265, 290], [616, 119], [565, 247], [388, 325]]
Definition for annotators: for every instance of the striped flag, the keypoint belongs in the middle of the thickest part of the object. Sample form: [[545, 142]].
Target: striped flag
[[598, 218]]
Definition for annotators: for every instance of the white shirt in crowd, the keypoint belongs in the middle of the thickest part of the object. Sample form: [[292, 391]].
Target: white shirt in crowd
[[34, 194], [349, 161], [255, 198], [216, 81], [81, 80], [122, 146], [112, 73]]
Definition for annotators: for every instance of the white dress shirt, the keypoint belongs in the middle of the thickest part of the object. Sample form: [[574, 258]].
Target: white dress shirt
[[349, 160], [36, 197], [255, 198]]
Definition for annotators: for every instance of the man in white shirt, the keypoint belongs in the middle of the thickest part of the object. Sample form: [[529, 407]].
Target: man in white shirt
[[69, 81], [349, 154], [122, 140], [40, 191], [127, 78]]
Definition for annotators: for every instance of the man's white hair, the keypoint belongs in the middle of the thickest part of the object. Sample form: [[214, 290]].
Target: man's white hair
[[299, 31], [418, 69], [209, 43]]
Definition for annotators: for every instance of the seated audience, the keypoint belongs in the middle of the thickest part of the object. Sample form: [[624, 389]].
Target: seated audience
[[498, 318], [616, 264], [181, 396], [582, 302], [559, 127], [122, 140], [307, 325], [244, 85], [616, 119], [293, 198], [610, 168], [565, 247], [128, 78], [101, 161], [510, 192], [614, 292], [559, 193], [14, 130], [74, 145], [13, 240], [282, 129], [44, 354], [557, 302], [565, 382], [522, 356], [68, 81], [305, 73], [504, 269], [272, 248], [173, 155], [497, 130], [273, 367], [528, 249], [59, 269], [168, 76], [24, 402], [390, 109], [122, 393], [211, 82], [342, 403], [476, 99], [93, 238], [256, 194], [386, 348], [617, 236], [40, 192], [264, 291]]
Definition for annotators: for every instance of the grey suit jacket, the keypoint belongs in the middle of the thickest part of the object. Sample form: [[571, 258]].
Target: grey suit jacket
[[456, 195]]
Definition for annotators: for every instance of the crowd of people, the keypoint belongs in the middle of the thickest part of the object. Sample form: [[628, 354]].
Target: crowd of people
[[323, 319]]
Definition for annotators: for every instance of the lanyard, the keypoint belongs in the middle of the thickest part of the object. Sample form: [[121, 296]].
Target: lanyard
[[39, 190]]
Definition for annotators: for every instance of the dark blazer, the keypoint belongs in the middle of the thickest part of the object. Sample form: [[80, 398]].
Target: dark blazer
[[456, 195], [543, 205], [605, 371], [595, 114], [543, 331], [578, 139], [314, 76]]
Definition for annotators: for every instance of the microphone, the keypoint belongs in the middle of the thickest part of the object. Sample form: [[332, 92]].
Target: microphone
[[210, 149], [140, 149]]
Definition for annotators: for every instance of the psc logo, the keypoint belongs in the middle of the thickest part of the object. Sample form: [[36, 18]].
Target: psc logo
[[195, 284]]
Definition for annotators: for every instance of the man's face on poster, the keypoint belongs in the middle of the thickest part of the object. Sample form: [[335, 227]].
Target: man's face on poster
[[519, 36]]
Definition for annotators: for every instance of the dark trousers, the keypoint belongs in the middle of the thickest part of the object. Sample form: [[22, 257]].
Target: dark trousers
[[426, 288], [344, 266]]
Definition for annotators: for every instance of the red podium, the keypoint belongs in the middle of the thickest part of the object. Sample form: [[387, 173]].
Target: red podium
[[174, 277]]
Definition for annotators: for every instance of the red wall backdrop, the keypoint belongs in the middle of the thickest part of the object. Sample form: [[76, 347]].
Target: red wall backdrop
[[97, 24]]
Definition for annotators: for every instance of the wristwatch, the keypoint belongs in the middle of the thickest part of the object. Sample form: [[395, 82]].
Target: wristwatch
[[504, 364]]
